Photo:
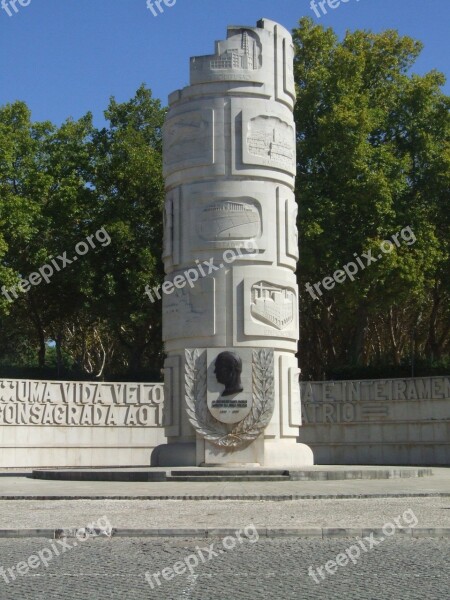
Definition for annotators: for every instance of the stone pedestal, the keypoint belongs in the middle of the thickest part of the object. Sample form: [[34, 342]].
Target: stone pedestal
[[230, 303]]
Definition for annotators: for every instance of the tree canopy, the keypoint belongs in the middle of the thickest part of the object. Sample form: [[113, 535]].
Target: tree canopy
[[58, 185], [373, 157]]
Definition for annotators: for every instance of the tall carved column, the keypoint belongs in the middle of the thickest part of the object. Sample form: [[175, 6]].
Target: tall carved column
[[230, 307]]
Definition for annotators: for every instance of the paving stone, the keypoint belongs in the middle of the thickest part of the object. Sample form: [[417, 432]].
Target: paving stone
[[371, 514], [402, 567]]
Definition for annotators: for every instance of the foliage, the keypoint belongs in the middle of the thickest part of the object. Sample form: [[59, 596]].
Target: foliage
[[58, 186], [373, 158]]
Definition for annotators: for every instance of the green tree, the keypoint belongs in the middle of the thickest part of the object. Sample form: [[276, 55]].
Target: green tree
[[130, 187], [23, 188], [59, 185], [373, 158]]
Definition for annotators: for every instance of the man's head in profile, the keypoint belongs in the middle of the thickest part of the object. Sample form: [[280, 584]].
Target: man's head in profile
[[228, 369]]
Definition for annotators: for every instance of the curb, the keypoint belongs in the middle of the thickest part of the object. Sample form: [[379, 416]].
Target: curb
[[311, 532], [270, 497], [230, 475]]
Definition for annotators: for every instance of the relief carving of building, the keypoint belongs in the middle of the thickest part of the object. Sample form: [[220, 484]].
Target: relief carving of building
[[229, 219], [272, 140], [273, 305]]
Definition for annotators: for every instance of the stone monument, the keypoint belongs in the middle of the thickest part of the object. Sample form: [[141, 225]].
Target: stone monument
[[230, 304]]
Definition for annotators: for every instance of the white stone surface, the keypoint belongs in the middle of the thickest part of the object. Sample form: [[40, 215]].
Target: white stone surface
[[390, 422], [59, 423], [229, 166]]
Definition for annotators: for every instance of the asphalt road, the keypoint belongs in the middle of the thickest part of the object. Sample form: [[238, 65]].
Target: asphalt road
[[400, 568]]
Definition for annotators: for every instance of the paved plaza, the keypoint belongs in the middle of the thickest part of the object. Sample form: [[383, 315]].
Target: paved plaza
[[28, 505], [13, 486], [433, 512]]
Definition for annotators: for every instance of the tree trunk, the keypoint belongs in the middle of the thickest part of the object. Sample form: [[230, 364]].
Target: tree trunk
[[59, 358], [42, 350]]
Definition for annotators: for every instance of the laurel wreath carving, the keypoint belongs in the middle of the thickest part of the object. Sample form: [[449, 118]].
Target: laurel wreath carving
[[262, 407], [195, 392]]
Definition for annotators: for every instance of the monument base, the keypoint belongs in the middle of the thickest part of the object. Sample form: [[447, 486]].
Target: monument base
[[251, 455], [262, 452], [176, 454], [287, 453]]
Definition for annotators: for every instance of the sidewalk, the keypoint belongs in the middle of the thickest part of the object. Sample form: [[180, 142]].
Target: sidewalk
[[13, 488], [30, 508]]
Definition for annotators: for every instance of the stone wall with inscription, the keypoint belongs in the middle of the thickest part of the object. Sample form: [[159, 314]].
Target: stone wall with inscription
[[390, 421], [62, 423]]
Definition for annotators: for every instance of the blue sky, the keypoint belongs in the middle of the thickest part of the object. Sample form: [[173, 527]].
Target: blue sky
[[66, 57]]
